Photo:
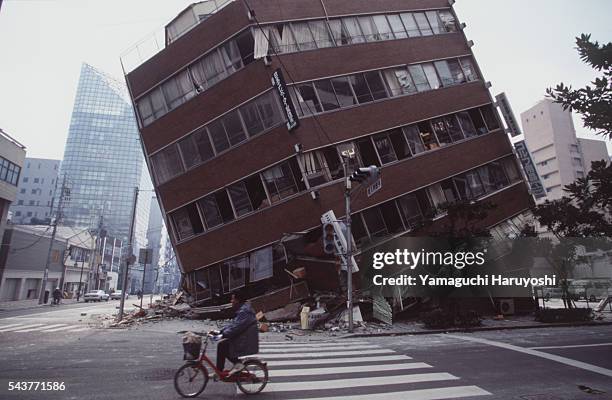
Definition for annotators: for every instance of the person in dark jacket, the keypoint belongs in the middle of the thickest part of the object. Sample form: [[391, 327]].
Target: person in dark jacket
[[57, 295], [240, 337]]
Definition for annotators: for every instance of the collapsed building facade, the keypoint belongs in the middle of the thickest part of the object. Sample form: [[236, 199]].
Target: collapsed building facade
[[242, 182]]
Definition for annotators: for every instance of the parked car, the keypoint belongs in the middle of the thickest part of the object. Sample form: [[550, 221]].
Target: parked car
[[96, 295], [116, 295]]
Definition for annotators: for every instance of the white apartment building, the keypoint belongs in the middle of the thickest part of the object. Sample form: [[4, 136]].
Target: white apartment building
[[560, 156]]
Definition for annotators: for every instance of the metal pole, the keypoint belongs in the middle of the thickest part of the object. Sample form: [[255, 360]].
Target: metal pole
[[128, 256], [144, 271], [81, 277], [43, 285], [349, 250], [64, 267]]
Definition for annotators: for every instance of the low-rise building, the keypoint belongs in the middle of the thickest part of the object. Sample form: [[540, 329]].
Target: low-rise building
[[24, 256]]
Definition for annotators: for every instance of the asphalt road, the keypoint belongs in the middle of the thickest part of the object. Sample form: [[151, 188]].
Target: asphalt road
[[533, 364]]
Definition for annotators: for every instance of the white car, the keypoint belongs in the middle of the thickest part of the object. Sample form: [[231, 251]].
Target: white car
[[116, 295], [96, 295]]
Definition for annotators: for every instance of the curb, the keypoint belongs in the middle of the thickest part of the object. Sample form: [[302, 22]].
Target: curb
[[481, 329]]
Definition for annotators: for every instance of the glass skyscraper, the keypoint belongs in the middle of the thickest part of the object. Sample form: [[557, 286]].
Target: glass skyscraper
[[103, 159]]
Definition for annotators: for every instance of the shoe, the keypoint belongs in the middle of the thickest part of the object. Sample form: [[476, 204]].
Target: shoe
[[236, 368]]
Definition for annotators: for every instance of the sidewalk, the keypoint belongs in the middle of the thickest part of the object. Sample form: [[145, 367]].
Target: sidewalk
[[30, 304]]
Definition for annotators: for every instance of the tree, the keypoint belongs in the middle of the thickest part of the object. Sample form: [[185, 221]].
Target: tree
[[585, 213], [594, 103]]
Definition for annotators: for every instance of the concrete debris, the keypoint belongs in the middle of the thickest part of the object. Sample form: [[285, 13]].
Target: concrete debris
[[288, 313]]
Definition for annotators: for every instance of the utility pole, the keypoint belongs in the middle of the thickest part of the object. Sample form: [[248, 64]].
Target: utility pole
[[129, 256], [144, 271], [349, 249], [43, 285]]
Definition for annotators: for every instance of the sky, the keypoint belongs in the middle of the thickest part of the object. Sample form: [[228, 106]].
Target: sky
[[522, 46]]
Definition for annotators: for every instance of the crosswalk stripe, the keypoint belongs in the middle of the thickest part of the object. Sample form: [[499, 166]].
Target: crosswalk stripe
[[358, 382], [323, 361], [422, 394], [292, 349], [10, 325], [40, 328], [81, 329], [19, 327], [61, 329], [314, 343], [275, 345], [344, 370], [324, 355]]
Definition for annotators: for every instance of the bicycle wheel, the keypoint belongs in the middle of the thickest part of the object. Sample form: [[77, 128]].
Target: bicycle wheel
[[253, 377], [190, 380]]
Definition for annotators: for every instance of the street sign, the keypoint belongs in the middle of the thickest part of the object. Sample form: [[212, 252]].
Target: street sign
[[375, 187], [514, 128], [537, 189]]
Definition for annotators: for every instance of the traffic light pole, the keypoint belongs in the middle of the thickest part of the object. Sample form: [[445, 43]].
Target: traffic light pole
[[349, 245], [128, 257]]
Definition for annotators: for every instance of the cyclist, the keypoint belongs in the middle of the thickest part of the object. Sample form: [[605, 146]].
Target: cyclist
[[240, 337]]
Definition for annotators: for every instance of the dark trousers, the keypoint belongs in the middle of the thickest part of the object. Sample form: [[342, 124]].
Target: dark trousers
[[222, 354]]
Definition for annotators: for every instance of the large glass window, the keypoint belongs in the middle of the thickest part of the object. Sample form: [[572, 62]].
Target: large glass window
[[423, 24], [391, 217], [466, 124], [196, 148], [210, 211], [427, 136], [490, 117], [367, 153], [413, 136], [344, 93], [368, 28], [397, 27], [434, 22], [411, 211], [352, 28], [320, 33], [233, 127], [374, 222], [303, 36], [237, 268], [477, 120], [307, 98], [432, 76], [282, 180], [231, 56], [187, 222], [224, 205], [167, 164], [257, 193], [312, 169], [448, 21], [261, 264], [493, 176], [240, 199], [218, 135], [178, 89], [339, 32], [468, 69], [419, 77], [410, 24], [384, 148], [360, 86], [383, 28], [326, 93], [333, 162], [376, 84]]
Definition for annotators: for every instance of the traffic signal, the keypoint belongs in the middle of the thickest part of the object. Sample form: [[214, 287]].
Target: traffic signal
[[329, 233], [366, 173]]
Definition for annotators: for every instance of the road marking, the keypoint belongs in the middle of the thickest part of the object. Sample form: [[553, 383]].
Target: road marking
[[323, 355], [345, 370], [423, 394], [322, 361], [292, 349], [81, 329], [552, 357], [315, 343], [309, 344], [570, 346], [10, 325], [19, 327], [63, 328], [358, 382], [40, 328]]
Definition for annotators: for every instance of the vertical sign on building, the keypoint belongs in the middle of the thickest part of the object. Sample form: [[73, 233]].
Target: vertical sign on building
[[278, 82], [537, 189], [504, 105]]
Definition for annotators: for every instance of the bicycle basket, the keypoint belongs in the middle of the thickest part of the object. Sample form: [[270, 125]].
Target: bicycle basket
[[192, 345]]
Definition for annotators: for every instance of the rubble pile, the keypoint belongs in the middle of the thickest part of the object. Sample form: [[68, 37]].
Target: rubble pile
[[171, 306]]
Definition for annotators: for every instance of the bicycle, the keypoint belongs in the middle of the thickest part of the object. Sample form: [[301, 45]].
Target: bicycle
[[191, 379]]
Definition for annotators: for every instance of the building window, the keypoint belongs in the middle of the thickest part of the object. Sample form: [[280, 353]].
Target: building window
[[283, 180], [237, 268], [167, 164], [9, 172], [216, 209], [261, 263], [178, 89], [22, 191], [196, 148], [187, 222], [493, 176]]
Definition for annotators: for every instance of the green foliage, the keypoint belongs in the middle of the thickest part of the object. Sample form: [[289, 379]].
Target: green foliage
[[593, 102], [586, 210]]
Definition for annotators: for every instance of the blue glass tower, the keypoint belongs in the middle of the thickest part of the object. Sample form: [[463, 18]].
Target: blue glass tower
[[103, 159]]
